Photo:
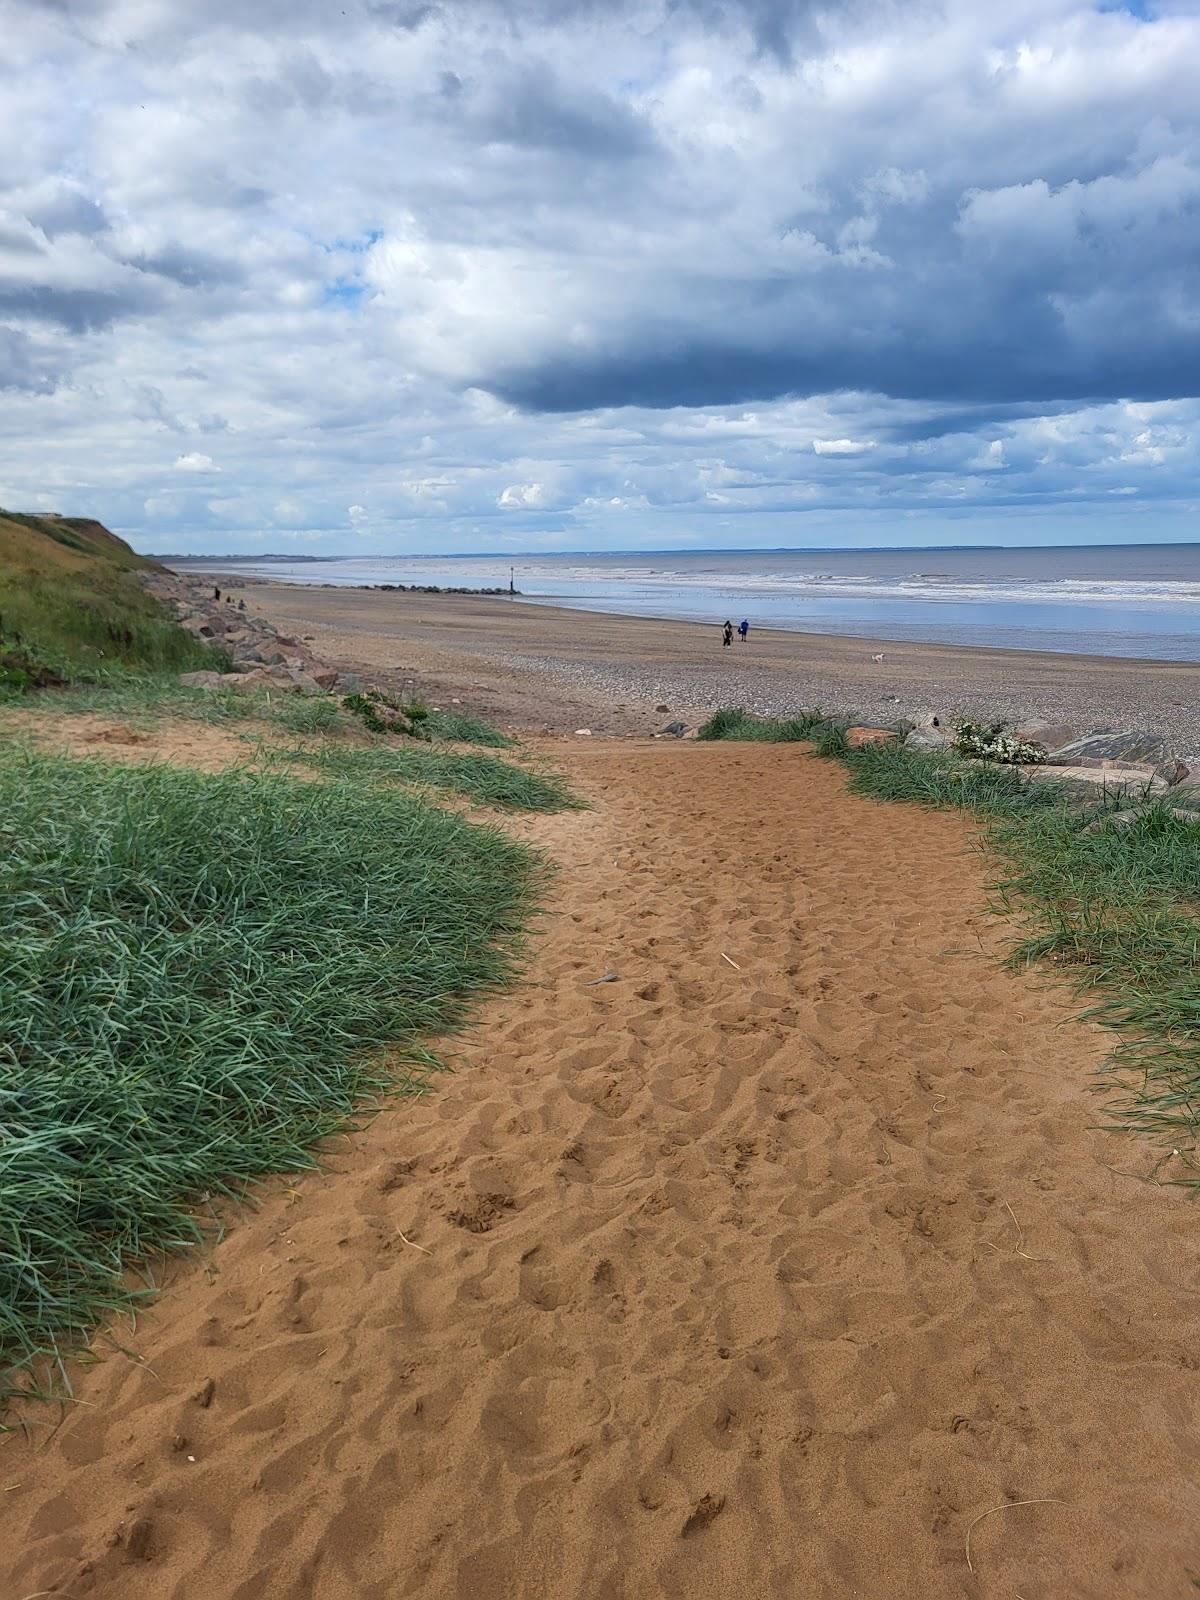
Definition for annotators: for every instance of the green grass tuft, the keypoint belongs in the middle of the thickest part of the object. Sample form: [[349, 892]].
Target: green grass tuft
[[742, 725], [455, 728], [484, 780], [196, 971]]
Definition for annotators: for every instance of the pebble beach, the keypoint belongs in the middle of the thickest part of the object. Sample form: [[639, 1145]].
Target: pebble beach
[[555, 670]]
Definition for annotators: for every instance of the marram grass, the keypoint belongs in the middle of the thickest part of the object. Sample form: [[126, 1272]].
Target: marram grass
[[195, 974], [146, 700], [483, 779]]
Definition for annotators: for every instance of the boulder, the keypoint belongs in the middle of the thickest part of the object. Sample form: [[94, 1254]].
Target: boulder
[[325, 677], [303, 681], [256, 678], [857, 737], [927, 737], [1050, 735], [1173, 771], [1103, 745], [349, 682], [1134, 781]]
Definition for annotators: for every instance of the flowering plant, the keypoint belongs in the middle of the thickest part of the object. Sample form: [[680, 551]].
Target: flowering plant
[[987, 741]]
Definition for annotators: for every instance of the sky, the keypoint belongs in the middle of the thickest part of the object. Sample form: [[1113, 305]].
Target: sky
[[365, 277]]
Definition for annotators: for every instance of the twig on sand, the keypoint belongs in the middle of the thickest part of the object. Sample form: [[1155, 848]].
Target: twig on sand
[[414, 1243], [1021, 1251], [731, 961], [1008, 1505], [609, 977]]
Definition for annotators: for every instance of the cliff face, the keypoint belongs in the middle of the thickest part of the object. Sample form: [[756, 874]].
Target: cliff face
[[38, 541], [73, 606]]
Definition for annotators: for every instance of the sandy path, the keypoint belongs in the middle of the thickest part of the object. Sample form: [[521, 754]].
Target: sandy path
[[713, 1288]]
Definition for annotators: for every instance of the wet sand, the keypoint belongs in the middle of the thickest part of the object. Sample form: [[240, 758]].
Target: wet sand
[[547, 668], [764, 1271]]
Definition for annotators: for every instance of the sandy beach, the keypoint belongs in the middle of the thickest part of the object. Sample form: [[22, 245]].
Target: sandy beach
[[551, 669], [774, 1266]]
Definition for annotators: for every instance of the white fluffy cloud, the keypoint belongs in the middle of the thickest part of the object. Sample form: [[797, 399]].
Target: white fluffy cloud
[[843, 447], [706, 271]]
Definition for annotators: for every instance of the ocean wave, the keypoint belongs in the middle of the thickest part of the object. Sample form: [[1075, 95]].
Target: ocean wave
[[575, 579], [911, 586]]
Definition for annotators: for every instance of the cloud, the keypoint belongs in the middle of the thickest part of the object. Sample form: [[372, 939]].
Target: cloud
[[738, 270], [20, 366], [842, 447], [525, 496]]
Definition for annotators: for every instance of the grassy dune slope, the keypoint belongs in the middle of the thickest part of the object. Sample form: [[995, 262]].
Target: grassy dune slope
[[202, 975], [197, 972], [72, 609]]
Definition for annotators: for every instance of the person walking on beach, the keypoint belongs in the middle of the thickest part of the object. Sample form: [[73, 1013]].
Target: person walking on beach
[[743, 629], [727, 635]]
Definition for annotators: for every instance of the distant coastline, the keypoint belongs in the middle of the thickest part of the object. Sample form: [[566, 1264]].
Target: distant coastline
[[178, 559]]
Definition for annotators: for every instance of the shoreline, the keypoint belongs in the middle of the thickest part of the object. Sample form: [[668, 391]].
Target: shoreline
[[555, 669]]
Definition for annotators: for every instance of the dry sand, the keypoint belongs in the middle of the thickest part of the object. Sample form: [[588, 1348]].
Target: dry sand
[[763, 1271], [547, 668]]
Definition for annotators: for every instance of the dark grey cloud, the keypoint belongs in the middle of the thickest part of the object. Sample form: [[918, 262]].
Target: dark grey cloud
[[189, 267], [782, 29], [76, 310], [533, 108], [1030, 360], [66, 210], [20, 366], [19, 241]]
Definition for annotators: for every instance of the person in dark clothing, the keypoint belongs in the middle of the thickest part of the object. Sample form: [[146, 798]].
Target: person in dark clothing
[[743, 629], [727, 635]]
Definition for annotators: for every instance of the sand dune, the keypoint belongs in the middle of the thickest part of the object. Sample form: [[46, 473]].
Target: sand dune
[[761, 1271]]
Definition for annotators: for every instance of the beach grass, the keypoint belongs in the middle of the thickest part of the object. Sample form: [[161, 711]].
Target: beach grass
[[944, 781], [199, 972], [484, 780], [1115, 909], [743, 725], [455, 727], [146, 699]]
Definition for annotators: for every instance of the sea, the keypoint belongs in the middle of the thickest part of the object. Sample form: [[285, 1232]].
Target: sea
[[1113, 600]]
